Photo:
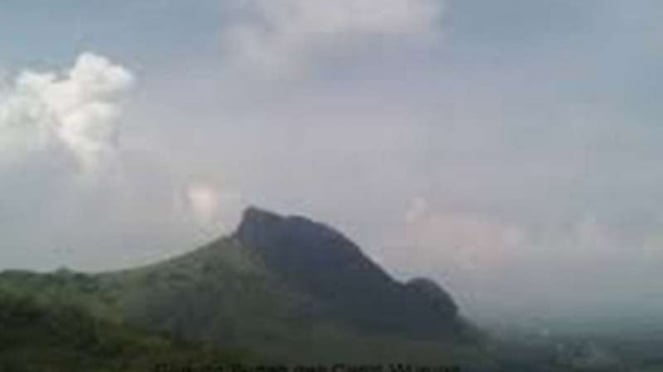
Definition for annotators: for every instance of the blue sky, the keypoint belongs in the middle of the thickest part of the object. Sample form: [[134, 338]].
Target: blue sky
[[509, 149]]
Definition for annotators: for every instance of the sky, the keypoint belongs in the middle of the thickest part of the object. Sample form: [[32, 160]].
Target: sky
[[509, 150]]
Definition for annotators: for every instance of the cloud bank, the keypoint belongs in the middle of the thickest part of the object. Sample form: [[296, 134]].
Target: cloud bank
[[284, 36]]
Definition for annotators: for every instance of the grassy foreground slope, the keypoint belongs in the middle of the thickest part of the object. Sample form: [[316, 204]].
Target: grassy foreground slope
[[39, 336]]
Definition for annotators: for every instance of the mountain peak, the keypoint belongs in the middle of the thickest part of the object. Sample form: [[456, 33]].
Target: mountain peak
[[254, 216], [329, 267], [259, 227], [256, 213]]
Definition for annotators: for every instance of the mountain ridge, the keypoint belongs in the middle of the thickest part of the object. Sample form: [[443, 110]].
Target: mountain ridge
[[325, 264], [287, 289]]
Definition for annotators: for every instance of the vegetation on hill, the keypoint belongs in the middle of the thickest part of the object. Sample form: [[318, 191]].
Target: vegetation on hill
[[37, 335]]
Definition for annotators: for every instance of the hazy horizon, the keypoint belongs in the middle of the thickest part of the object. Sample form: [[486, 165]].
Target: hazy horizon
[[509, 150]]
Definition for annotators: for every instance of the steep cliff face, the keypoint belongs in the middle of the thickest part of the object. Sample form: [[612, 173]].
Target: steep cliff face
[[330, 268]]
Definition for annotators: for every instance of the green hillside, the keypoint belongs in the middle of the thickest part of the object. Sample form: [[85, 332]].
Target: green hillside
[[39, 336]]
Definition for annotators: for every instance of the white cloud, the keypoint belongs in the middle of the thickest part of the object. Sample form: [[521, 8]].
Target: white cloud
[[210, 206], [204, 201], [280, 36], [468, 242], [78, 109], [490, 258], [417, 210]]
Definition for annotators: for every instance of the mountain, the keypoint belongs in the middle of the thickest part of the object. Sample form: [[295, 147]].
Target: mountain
[[285, 289], [290, 289], [325, 265]]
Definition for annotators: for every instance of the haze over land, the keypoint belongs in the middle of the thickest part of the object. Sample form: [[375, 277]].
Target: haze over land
[[510, 150]]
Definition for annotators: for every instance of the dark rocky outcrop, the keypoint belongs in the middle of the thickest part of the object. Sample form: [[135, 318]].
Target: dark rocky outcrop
[[327, 266]]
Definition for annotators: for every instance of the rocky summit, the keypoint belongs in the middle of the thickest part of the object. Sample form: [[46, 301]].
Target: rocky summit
[[326, 265]]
